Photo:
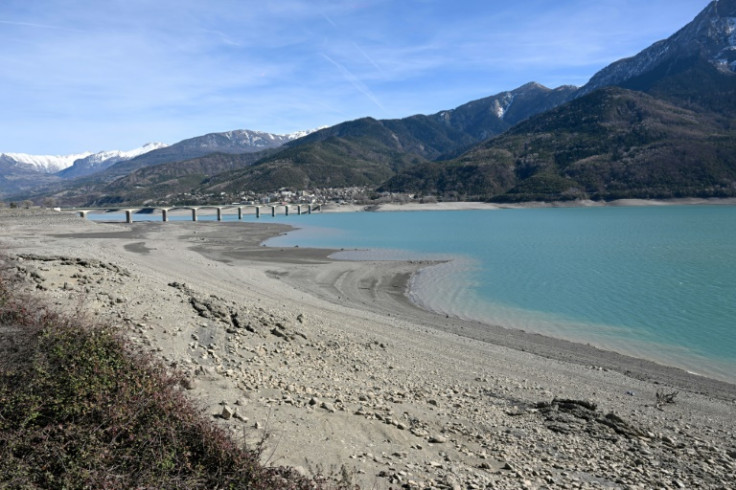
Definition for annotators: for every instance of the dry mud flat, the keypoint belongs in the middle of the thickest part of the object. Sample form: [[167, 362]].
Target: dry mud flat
[[330, 362]]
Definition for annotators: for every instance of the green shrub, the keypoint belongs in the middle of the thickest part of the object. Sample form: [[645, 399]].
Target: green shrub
[[80, 409]]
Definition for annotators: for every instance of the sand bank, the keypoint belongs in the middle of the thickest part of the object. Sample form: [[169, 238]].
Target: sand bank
[[332, 360], [466, 206]]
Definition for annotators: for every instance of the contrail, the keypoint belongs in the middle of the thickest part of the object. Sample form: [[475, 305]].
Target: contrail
[[329, 20], [370, 60], [355, 81], [30, 24]]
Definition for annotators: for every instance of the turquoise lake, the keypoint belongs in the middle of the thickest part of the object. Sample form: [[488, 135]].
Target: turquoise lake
[[653, 282]]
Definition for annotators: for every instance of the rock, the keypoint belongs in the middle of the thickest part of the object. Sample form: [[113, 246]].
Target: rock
[[226, 413], [329, 407], [419, 432], [452, 482], [437, 439], [515, 411]]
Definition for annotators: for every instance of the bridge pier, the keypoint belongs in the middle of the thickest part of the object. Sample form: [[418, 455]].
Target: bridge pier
[[286, 210], [165, 214], [194, 214], [219, 214], [240, 213], [128, 215], [83, 214], [273, 211], [258, 211], [299, 210]]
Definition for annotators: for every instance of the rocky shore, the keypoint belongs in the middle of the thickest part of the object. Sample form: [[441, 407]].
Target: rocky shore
[[330, 363]]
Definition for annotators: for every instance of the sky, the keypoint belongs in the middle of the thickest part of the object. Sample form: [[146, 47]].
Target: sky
[[91, 75]]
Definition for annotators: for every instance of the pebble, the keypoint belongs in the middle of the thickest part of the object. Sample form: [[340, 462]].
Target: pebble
[[484, 431]]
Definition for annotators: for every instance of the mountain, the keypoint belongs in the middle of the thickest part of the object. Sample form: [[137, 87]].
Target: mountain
[[21, 172], [363, 152], [610, 144], [231, 142], [366, 152], [15, 178], [711, 36], [47, 164], [493, 115], [164, 181], [358, 153], [691, 71], [447, 132], [659, 124], [100, 161]]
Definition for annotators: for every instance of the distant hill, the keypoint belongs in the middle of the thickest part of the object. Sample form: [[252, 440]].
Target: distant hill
[[658, 124], [367, 152], [235, 142], [667, 130], [159, 181], [668, 135], [360, 153], [100, 161], [612, 143], [364, 152], [21, 173]]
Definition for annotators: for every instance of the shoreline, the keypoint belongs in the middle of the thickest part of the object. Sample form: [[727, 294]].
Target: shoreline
[[472, 205], [334, 361], [331, 207], [540, 344], [399, 275]]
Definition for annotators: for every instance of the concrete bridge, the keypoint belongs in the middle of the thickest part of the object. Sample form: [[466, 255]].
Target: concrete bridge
[[274, 209]]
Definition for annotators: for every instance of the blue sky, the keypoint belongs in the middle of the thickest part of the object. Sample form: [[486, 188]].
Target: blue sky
[[91, 75]]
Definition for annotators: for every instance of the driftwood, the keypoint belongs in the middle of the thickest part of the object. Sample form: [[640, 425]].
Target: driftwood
[[571, 416], [665, 398]]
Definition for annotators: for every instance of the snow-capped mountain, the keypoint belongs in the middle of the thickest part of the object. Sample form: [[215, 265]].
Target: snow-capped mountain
[[711, 36], [22, 172], [100, 161], [239, 141], [75, 164], [233, 142], [47, 164]]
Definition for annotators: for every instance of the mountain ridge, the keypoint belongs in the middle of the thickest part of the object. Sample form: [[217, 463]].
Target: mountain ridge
[[610, 144], [691, 71], [21, 172], [711, 35]]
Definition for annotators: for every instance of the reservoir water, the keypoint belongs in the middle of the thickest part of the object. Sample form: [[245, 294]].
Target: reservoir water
[[653, 282]]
